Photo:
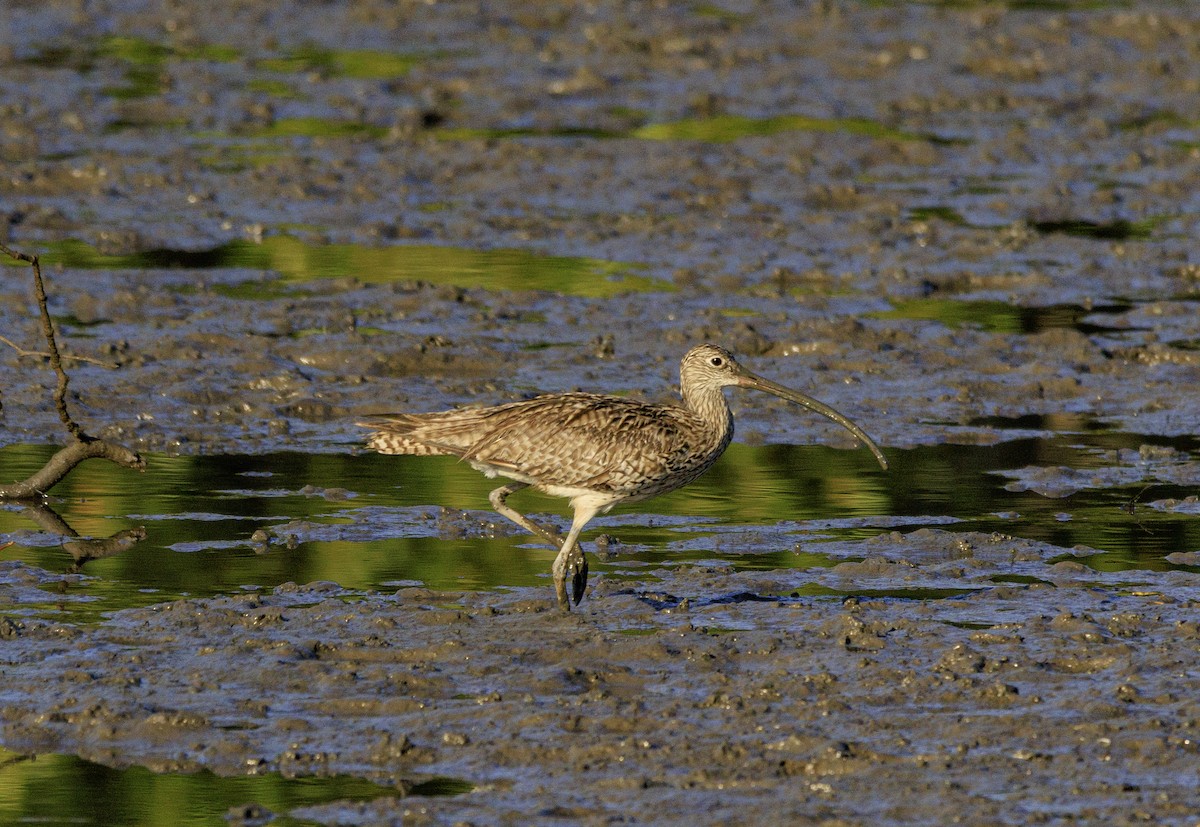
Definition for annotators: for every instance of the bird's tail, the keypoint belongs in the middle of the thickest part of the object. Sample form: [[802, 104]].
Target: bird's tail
[[394, 436], [391, 437]]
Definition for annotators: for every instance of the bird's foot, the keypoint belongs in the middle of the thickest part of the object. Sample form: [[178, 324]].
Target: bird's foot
[[572, 564], [578, 569]]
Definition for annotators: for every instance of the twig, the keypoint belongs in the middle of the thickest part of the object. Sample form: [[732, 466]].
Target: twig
[[60, 393], [84, 446], [42, 354]]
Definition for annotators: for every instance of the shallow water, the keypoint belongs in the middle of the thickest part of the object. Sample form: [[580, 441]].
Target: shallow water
[[220, 525], [63, 789], [296, 262]]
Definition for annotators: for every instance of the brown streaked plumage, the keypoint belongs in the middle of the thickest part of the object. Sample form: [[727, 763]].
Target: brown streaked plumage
[[596, 450]]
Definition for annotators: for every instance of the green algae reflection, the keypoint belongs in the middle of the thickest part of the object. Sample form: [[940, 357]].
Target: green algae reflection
[[725, 128], [316, 127], [63, 789], [297, 262], [711, 129], [361, 64], [144, 61], [1002, 317]]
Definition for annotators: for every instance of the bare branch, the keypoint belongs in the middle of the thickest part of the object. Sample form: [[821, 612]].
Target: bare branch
[[60, 393], [84, 446], [66, 459]]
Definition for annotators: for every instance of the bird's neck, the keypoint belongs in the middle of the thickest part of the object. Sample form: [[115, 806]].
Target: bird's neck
[[712, 409]]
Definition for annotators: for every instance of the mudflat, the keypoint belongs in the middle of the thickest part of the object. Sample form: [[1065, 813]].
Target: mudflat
[[966, 226]]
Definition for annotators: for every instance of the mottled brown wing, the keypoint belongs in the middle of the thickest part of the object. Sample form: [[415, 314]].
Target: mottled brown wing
[[585, 441]]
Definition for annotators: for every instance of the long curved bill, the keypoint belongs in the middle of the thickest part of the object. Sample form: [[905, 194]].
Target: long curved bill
[[746, 379]]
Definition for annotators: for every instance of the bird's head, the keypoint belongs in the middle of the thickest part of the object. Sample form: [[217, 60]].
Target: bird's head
[[709, 367]]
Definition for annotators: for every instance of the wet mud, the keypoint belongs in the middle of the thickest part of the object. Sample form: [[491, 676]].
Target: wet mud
[[959, 224], [1061, 695]]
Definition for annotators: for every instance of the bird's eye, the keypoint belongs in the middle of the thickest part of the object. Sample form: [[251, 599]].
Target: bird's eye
[[716, 361]]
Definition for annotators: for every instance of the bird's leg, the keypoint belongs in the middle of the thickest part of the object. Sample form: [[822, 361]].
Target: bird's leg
[[498, 497], [575, 563], [568, 561]]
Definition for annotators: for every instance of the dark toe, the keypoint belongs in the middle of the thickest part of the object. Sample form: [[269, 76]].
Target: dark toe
[[579, 577]]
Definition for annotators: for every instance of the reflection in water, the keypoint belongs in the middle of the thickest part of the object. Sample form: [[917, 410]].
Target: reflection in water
[[1004, 317], [1117, 230], [297, 262], [82, 549], [373, 522], [63, 789], [723, 128], [711, 129]]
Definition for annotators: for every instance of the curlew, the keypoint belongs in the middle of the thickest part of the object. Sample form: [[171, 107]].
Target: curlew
[[594, 449]]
